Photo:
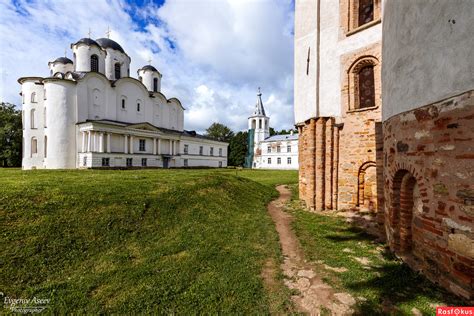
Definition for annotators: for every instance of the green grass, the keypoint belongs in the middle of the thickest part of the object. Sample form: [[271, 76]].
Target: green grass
[[387, 281], [167, 241]]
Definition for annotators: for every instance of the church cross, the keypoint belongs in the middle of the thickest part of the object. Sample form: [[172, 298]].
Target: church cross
[[108, 32], [65, 52], [90, 33], [259, 90], [149, 61], [307, 61]]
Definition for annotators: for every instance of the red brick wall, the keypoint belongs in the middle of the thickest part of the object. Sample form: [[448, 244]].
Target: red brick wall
[[429, 190]]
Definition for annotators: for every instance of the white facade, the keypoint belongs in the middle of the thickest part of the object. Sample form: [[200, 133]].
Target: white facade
[[320, 43], [91, 113], [270, 152]]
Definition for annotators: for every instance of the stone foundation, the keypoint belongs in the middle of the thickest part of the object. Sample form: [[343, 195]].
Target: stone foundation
[[429, 190]]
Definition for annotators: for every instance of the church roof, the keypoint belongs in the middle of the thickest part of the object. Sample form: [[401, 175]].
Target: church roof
[[87, 41], [108, 43], [149, 67], [281, 137], [63, 60], [259, 109]]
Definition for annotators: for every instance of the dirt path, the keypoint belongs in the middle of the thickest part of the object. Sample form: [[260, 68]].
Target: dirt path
[[314, 296]]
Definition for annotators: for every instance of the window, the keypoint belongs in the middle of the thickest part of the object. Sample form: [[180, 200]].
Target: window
[[269, 149], [212, 151], [366, 87], [84, 161], [44, 117], [94, 63], [138, 106], [201, 150], [117, 71], [140, 78], [143, 162], [44, 96], [155, 84], [259, 123], [141, 145], [279, 161], [220, 152], [366, 11], [186, 149], [123, 104], [33, 97], [288, 160], [129, 162], [32, 118], [278, 149], [269, 161], [220, 164], [288, 148], [105, 162], [34, 146], [185, 162], [45, 146]]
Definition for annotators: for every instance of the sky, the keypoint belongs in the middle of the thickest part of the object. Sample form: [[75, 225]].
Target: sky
[[213, 54]]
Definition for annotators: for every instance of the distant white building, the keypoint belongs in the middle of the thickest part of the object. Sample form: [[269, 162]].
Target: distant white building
[[265, 151], [90, 113]]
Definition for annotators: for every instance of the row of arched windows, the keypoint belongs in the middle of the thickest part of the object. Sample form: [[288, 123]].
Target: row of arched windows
[[95, 67]]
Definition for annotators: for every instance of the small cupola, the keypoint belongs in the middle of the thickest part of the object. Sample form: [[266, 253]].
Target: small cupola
[[150, 77], [61, 64]]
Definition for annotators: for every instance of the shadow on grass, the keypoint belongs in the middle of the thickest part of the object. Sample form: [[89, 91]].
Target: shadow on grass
[[397, 284]]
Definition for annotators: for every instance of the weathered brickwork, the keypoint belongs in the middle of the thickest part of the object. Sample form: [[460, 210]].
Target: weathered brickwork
[[429, 190], [338, 162]]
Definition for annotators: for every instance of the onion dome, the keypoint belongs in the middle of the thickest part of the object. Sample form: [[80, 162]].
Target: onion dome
[[87, 41], [63, 60], [148, 67], [108, 43]]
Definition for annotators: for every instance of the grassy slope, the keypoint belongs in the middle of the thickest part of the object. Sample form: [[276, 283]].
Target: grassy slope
[[181, 241], [387, 282]]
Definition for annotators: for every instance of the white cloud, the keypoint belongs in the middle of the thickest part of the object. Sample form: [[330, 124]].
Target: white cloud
[[212, 54]]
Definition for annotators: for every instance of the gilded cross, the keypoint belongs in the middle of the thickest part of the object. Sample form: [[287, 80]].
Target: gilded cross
[[108, 32], [90, 33]]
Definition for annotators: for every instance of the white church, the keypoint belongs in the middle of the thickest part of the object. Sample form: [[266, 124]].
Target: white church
[[265, 151], [90, 113]]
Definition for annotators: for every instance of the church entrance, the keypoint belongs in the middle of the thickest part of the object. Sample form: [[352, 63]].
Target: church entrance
[[166, 162]]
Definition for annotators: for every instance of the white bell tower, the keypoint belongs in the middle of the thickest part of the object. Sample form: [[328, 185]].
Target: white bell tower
[[259, 122]]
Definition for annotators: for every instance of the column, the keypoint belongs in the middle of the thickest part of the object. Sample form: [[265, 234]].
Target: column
[[101, 142], [131, 144], [125, 144], [108, 142], [89, 141], [154, 146], [171, 147], [159, 146], [320, 136], [84, 139]]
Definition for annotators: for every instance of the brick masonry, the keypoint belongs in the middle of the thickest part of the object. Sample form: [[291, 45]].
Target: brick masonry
[[429, 189]]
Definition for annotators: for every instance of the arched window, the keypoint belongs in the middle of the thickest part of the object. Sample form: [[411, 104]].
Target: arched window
[[34, 146], [123, 104], [138, 106], [32, 118], [140, 78], [94, 63], [45, 146], [366, 11], [155, 84], [44, 117], [117, 71], [366, 87], [33, 97]]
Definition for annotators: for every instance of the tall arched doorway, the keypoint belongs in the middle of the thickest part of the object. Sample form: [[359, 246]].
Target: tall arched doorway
[[367, 187]]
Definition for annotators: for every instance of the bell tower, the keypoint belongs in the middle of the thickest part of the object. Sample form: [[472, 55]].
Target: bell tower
[[259, 130]]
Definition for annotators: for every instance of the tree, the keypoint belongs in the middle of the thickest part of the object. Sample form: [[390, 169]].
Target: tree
[[238, 149], [220, 132], [10, 135]]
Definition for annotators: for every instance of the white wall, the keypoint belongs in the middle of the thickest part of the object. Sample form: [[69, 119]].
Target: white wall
[[430, 44], [333, 43], [284, 154]]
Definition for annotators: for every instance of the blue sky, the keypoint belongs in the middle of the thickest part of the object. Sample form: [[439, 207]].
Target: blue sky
[[213, 54]]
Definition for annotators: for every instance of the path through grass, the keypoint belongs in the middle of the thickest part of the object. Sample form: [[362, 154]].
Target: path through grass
[[168, 241]]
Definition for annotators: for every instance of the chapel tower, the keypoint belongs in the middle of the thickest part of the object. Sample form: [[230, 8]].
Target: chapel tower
[[258, 130]]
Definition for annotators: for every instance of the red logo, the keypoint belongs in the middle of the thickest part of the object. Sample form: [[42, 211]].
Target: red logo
[[454, 311]]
